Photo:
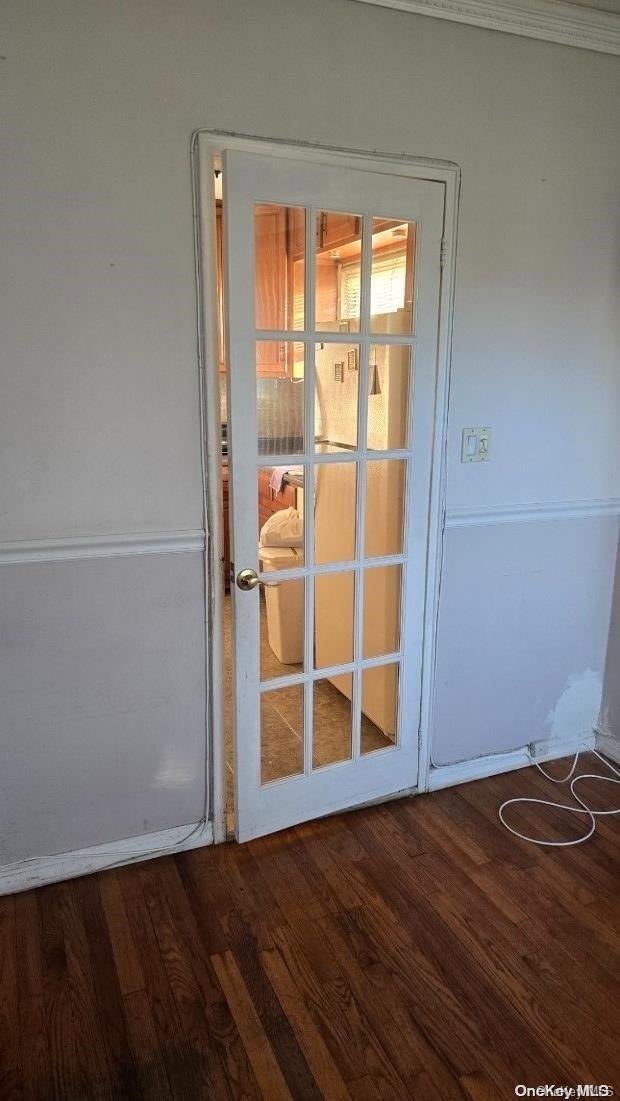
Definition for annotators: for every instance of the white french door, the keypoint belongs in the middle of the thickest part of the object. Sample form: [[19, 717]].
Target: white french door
[[332, 301]]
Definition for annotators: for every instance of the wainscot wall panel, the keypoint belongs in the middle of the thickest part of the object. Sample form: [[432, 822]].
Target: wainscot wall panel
[[529, 602], [102, 695]]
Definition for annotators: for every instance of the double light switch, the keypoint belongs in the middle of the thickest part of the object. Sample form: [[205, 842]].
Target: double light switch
[[476, 445]]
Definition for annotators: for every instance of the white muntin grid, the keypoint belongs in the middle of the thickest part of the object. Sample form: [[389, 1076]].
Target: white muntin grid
[[360, 456]]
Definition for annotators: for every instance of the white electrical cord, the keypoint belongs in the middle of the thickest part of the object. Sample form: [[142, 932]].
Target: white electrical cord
[[583, 807]]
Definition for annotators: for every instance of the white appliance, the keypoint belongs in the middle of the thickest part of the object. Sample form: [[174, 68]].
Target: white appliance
[[388, 412]]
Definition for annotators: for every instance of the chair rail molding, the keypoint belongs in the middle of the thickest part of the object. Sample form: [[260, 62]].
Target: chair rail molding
[[551, 20], [467, 516], [102, 546]]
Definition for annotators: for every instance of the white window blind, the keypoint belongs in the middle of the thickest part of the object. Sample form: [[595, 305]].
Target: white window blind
[[387, 286]]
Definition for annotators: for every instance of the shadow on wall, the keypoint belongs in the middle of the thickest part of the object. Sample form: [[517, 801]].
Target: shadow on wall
[[609, 722]]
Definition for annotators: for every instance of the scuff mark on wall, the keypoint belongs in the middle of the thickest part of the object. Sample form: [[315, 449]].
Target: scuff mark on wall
[[577, 709]]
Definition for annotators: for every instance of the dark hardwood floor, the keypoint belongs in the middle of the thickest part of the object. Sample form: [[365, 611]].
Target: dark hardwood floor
[[413, 950]]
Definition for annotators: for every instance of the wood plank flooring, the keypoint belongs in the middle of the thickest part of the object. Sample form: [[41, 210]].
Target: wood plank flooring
[[413, 950]]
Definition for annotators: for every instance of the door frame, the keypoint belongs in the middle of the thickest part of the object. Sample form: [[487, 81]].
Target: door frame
[[205, 152]]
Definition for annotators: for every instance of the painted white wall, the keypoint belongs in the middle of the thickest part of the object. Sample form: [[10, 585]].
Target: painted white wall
[[99, 410]]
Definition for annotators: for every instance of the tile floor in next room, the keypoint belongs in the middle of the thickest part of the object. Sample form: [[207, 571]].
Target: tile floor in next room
[[281, 722]]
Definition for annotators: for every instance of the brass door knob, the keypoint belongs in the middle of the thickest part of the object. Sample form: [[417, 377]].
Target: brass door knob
[[247, 579]]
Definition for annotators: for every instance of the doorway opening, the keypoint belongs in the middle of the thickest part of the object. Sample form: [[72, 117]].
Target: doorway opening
[[322, 271]]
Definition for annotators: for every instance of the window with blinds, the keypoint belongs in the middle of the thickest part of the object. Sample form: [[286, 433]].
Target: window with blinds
[[387, 285]]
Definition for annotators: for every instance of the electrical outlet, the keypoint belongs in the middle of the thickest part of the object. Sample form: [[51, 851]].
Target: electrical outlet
[[538, 749], [476, 445]]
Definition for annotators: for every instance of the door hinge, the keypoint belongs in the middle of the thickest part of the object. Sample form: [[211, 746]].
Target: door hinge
[[322, 229], [443, 252]]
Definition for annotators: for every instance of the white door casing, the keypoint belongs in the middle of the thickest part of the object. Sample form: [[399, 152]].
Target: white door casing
[[251, 178]]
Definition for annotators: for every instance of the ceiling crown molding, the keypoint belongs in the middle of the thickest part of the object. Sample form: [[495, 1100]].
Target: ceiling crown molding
[[552, 20]]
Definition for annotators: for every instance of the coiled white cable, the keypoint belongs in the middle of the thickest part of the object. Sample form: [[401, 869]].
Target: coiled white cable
[[583, 807]]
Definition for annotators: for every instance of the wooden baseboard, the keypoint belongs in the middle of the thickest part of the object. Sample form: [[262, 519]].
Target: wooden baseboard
[[23, 875]]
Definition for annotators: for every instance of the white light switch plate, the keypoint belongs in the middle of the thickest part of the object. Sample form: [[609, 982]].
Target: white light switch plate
[[476, 445]]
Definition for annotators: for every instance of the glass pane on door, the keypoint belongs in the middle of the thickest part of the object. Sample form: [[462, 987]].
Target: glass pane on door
[[391, 280], [280, 530], [280, 397], [388, 397], [334, 618], [336, 388], [385, 506], [331, 720], [379, 708], [335, 496], [338, 256], [281, 627], [382, 596], [281, 733], [279, 262]]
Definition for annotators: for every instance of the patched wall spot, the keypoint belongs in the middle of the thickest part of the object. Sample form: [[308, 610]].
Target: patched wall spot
[[577, 709]]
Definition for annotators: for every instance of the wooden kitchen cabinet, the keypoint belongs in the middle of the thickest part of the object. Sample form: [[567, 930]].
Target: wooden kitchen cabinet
[[335, 229], [270, 286], [296, 232], [273, 283], [332, 230]]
